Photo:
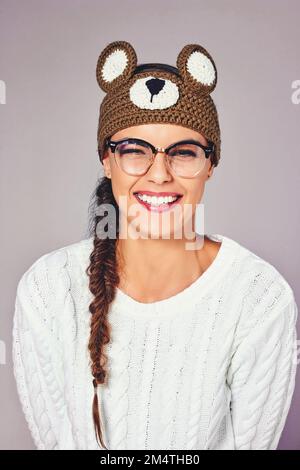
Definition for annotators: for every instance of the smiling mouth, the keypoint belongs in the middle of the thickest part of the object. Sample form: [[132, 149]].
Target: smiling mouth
[[157, 203]]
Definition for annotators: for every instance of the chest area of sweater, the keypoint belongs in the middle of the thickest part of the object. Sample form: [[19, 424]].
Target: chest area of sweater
[[159, 369], [198, 336]]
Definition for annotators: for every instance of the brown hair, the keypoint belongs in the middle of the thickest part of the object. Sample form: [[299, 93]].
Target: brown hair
[[103, 279]]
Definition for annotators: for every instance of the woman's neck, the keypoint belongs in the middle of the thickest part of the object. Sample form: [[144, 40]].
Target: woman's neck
[[152, 270]]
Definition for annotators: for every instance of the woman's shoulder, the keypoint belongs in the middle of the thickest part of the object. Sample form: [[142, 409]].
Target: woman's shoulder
[[57, 258], [48, 269], [262, 292], [257, 274]]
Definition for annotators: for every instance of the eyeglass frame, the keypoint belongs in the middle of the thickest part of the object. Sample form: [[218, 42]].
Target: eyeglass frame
[[155, 150]]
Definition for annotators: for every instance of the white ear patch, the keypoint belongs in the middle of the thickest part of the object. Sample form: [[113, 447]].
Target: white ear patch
[[201, 68], [154, 93], [114, 65]]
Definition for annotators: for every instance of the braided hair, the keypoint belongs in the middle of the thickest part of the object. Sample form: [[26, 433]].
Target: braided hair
[[103, 280]]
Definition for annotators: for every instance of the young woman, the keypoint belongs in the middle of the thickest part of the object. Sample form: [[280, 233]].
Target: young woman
[[149, 335]]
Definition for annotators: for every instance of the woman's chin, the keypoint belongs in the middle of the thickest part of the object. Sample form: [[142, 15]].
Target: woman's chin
[[155, 229]]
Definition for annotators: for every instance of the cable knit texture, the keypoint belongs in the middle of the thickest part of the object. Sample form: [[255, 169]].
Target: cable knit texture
[[212, 367]]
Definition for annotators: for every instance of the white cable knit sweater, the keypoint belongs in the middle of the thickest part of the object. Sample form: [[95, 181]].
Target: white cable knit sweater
[[212, 367]]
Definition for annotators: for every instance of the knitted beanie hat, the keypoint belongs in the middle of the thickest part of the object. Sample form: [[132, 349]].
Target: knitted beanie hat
[[157, 93]]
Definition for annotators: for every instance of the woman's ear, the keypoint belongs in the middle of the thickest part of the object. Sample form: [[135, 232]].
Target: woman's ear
[[106, 165], [210, 171]]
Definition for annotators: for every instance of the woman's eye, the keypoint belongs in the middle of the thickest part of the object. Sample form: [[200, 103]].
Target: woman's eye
[[182, 153], [129, 151]]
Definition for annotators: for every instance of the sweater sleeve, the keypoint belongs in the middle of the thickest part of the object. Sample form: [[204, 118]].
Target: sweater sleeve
[[36, 356], [262, 374]]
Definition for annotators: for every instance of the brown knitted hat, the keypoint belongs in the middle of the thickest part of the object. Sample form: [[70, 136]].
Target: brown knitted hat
[[157, 93]]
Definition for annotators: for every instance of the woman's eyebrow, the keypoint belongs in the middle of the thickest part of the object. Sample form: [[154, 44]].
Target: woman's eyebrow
[[133, 138], [129, 137], [184, 140]]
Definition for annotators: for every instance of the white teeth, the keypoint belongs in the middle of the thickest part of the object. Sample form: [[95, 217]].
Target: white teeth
[[156, 201]]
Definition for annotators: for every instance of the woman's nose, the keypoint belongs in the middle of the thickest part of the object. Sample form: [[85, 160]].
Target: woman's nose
[[159, 170]]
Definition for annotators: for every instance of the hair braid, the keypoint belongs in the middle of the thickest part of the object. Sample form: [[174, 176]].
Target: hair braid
[[103, 279]]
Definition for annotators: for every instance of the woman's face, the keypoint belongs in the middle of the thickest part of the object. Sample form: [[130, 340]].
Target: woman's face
[[152, 223]]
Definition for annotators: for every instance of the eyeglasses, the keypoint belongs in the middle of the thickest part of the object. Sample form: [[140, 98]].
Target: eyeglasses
[[185, 158]]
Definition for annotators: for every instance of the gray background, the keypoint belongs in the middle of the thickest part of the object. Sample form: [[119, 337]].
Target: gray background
[[49, 163]]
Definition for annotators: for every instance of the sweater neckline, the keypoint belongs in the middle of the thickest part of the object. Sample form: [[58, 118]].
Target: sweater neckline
[[190, 295]]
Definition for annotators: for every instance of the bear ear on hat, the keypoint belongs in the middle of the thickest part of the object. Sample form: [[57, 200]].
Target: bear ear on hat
[[197, 68], [115, 65]]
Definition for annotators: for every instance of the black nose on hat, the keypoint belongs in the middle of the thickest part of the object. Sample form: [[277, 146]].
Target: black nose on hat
[[155, 85]]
